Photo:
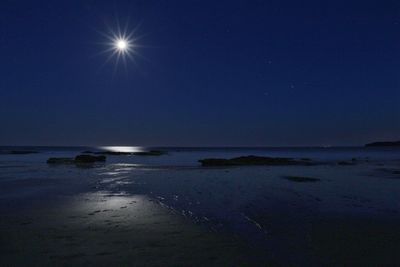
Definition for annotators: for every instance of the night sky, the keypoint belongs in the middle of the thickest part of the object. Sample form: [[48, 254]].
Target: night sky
[[207, 73]]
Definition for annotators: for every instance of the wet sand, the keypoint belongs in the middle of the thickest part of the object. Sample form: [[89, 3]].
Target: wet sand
[[135, 212], [106, 229], [346, 241]]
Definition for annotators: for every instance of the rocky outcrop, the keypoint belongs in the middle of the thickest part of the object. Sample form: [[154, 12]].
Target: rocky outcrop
[[89, 159], [386, 143], [80, 159]]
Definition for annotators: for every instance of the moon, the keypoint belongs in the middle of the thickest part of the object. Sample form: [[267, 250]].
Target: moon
[[122, 45]]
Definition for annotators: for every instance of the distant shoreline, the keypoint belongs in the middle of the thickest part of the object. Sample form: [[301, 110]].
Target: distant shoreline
[[384, 144], [189, 147]]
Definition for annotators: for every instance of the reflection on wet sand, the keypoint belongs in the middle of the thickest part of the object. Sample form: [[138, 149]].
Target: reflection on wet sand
[[105, 229], [162, 211], [283, 217]]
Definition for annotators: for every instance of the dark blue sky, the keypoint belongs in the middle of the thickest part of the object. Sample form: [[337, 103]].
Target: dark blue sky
[[240, 73]]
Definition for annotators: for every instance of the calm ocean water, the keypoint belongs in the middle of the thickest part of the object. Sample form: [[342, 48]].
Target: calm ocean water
[[24, 174], [189, 156], [20, 172]]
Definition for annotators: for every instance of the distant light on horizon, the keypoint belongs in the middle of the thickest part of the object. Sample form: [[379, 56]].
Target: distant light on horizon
[[125, 149]]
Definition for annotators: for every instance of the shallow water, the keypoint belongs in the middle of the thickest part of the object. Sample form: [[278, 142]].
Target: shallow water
[[255, 204]]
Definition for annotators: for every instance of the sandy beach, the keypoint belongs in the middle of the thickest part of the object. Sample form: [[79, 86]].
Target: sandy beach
[[169, 211], [105, 229]]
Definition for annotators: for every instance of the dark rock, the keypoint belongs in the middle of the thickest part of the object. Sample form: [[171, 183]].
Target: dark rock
[[249, 160], [80, 159], [387, 143], [89, 159], [301, 179]]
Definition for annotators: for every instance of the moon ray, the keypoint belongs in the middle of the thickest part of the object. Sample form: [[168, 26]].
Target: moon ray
[[121, 43]]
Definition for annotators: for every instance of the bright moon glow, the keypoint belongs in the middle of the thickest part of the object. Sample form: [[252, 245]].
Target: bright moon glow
[[121, 45]]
